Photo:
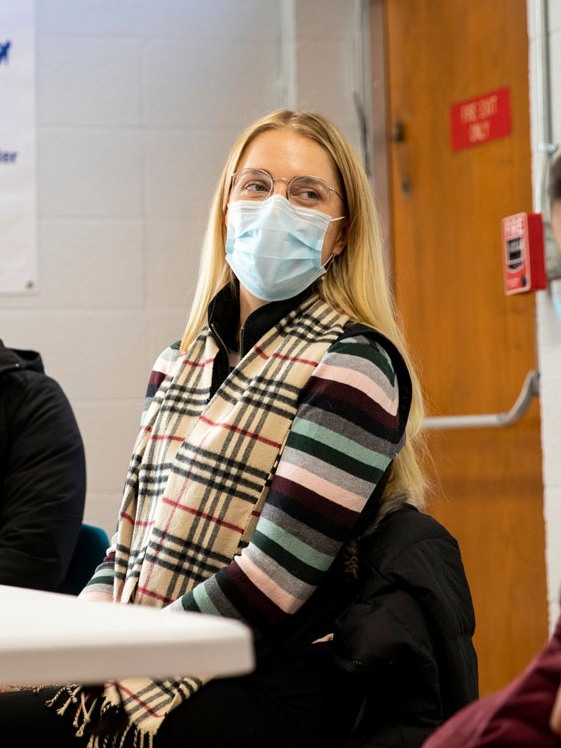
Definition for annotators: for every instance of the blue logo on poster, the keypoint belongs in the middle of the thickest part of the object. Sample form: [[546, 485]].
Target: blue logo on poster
[[4, 49]]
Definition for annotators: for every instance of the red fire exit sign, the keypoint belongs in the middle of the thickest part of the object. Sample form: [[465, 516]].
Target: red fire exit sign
[[478, 120]]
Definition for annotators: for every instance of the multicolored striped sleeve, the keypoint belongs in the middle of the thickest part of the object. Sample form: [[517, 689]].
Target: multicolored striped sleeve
[[162, 367], [100, 585], [347, 430]]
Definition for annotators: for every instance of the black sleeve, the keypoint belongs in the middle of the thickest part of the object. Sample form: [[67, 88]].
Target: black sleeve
[[408, 636], [42, 483], [397, 664]]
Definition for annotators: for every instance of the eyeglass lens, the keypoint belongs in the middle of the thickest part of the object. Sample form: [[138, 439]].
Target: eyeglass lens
[[255, 184]]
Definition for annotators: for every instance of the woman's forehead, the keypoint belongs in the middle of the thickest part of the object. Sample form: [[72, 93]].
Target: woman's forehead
[[287, 153]]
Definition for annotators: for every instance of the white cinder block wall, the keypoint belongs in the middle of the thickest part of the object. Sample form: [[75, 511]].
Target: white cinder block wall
[[138, 102], [548, 322]]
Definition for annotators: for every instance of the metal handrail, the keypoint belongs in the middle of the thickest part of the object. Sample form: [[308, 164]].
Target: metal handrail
[[530, 389]]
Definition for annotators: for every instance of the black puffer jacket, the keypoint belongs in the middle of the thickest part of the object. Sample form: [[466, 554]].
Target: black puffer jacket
[[42, 474], [408, 635]]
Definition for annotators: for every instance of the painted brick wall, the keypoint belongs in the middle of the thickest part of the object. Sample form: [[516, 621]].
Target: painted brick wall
[[138, 102]]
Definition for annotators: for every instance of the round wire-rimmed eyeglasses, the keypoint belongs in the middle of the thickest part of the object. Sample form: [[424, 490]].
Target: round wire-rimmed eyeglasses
[[257, 184]]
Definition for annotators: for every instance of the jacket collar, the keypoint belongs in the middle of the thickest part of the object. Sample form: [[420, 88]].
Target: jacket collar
[[12, 359], [224, 314]]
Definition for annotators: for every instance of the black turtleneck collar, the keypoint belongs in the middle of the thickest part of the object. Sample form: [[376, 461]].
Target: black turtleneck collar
[[224, 315]]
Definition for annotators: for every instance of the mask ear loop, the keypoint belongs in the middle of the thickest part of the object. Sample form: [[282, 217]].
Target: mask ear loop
[[331, 264], [336, 254], [331, 259]]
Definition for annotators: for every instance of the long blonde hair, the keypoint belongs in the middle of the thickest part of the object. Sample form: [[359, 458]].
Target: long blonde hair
[[356, 282]]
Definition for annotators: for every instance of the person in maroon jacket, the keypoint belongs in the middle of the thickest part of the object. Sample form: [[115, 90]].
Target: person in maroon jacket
[[525, 713], [555, 719]]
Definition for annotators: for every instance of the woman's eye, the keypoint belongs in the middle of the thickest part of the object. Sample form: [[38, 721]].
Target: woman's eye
[[308, 191], [311, 195], [307, 194], [256, 187]]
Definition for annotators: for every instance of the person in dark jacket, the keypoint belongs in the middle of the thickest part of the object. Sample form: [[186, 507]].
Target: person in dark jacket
[[42, 474]]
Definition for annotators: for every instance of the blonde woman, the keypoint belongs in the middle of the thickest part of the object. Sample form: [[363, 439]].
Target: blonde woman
[[283, 427]]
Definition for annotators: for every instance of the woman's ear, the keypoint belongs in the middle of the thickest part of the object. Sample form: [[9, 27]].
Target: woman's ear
[[341, 242]]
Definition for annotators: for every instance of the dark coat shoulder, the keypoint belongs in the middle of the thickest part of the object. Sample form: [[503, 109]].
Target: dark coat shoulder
[[408, 634]]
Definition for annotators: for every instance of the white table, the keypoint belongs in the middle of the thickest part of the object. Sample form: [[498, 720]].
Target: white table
[[52, 638]]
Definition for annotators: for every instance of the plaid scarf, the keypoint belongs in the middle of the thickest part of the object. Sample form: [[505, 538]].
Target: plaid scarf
[[198, 478]]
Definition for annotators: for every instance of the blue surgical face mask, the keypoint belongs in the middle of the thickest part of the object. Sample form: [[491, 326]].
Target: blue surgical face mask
[[274, 247]]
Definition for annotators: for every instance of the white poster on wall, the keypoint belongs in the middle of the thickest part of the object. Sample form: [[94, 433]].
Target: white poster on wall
[[18, 200]]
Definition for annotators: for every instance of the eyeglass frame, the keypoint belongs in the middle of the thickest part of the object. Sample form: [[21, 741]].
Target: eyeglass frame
[[283, 179]]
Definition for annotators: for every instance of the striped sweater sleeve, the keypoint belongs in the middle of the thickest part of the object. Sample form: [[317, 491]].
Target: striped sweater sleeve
[[345, 433], [100, 586]]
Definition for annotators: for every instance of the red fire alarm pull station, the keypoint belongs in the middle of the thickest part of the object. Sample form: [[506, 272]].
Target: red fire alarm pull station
[[524, 253]]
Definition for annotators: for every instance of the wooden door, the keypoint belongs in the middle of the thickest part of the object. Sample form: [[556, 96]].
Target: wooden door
[[474, 345]]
